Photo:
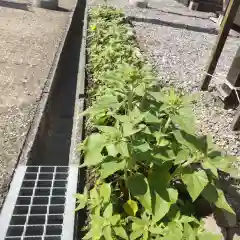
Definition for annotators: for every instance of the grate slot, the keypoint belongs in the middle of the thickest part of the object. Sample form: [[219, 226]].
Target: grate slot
[[60, 184], [47, 169], [62, 169], [34, 231], [61, 176], [59, 192], [38, 210], [18, 220], [53, 230], [32, 238], [26, 192], [28, 184], [40, 201], [32, 169], [20, 210], [55, 219], [15, 231], [57, 200], [44, 184], [36, 219], [42, 192], [53, 238], [45, 176], [23, 201], [30, 176]]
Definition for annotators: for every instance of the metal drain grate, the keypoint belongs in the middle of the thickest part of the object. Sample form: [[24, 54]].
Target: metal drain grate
[[40, 204]]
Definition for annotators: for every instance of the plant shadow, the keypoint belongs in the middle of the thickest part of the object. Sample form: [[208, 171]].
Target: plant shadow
[[212, 31]]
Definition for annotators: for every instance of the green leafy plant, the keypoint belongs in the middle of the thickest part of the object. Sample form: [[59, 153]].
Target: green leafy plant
[[152, 166]]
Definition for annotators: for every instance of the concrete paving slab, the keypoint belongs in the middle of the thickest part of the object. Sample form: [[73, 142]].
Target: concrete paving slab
[[29, 40]]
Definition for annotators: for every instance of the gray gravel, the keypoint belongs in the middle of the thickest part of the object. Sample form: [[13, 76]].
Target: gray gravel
[[178, 43]]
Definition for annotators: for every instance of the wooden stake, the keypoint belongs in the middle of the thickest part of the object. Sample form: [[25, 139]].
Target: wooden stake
[[221, 39]]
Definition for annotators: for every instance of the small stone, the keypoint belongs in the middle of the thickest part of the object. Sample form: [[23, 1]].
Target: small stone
[[210, 225], [225, 218]]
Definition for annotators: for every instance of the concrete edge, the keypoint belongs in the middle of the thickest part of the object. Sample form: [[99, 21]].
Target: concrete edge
[[34, 126], [42, 103], [78, 120]]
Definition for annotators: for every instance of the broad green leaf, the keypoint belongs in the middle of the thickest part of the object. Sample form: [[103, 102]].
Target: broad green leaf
[[92, 150], [194, 143], [162, 155], [162, 203], [181, 157], [155, 230], [94, 141], [108, 130], [209, 236], [136, 234], [223, 163], [210, 193], [121, 118], [173, 232], [195, 182], [222, 202], [97, 226], [189, 232], [130, 207], [138, 186], [162, 195], [109, 168], [159, 96], [163, 142], [145, 235], [81, 199], [120, 232], [114, 219], [216, 196], [92, 158], [107, 233], [185, 119], [183, 122], [142, 147], [129, 129], [207, 164], [137, 223], [123, 149], [105, 192], [151, 118], [88, 235], [112, 150], [108, 211]]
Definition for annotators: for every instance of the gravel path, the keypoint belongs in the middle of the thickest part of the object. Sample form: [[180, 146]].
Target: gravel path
[[29, 40], [178, 43]]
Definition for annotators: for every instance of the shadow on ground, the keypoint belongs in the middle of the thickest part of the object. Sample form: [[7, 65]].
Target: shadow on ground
[[14, 5], [175, 25]]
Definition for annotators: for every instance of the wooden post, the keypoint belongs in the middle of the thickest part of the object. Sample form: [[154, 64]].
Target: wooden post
[[222, 36]]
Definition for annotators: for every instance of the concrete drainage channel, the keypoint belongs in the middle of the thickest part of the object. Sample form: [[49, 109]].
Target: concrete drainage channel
[[40, 203]]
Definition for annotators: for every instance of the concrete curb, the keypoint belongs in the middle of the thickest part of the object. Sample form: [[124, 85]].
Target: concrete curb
[[78, 120], [41, 108]]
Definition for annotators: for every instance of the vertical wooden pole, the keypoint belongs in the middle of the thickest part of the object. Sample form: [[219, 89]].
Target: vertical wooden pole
[[221, 39]]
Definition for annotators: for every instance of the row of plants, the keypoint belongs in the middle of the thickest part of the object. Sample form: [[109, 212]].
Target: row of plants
[[151, 167]]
